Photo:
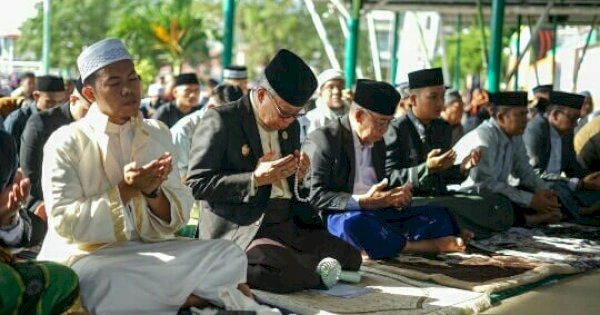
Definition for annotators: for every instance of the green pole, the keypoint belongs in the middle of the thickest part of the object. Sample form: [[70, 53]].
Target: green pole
[[395, 47], [228, 21], [457, 75], [46, 46], [483, 42], [352, 43], [554, 36], [516, 85], [496, 46]]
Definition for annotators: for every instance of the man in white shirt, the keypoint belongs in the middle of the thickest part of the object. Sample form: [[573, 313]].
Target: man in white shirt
[[114, 202]]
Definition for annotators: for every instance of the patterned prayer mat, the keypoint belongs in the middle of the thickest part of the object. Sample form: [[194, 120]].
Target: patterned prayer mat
[[391, 294], [507, 260]]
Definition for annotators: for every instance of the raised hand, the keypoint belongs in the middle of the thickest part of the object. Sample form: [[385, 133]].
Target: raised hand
[[378, 197], [13, 197], [149, 177], [470, 161], [269, 171], [592, 181], [438, 161], [303, 164]]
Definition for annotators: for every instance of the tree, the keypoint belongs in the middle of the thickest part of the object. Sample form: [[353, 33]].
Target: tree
[[169, 31], [71, 30], [471, 61]]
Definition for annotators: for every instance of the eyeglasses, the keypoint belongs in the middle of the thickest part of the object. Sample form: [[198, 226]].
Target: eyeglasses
[[281, 114], [379, 122]]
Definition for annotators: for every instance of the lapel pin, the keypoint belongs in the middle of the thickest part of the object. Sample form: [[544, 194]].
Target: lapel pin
[[245, 150], [284, 135]]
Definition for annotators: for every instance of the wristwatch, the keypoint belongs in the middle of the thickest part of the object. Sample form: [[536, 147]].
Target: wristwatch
[[152, 194]]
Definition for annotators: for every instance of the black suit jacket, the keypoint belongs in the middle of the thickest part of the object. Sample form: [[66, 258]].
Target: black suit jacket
[[333, 164], [170, 114], [538, 144], [16, 121], [220, 170], [404, 150], [38, 129]]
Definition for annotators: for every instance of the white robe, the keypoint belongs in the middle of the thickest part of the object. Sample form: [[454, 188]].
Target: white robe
[[128, 259]]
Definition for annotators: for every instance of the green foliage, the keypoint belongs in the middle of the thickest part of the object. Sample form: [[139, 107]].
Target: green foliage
[[165, 32], [471, 58], [263, 27], [171, 32], [74, 24]]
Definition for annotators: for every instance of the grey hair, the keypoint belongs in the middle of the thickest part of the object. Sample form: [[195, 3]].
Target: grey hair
[[264, 83]]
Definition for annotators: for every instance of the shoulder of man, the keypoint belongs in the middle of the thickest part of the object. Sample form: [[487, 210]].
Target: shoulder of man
[[400, 122], [71, 137]]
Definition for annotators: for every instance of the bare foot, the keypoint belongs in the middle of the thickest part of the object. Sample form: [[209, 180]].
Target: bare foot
[[467, 235], [195, 301], [245, 290], [448, 244], [543, 218]]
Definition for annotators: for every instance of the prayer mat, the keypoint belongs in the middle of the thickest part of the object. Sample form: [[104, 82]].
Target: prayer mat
[[391, 294], [507, 260]]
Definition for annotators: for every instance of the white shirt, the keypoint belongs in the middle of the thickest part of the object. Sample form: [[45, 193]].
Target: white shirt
[[269, 140], [364, 172], [120, 142]]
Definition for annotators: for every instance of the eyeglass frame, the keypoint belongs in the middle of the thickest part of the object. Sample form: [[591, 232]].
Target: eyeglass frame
[[278, 108], [376, 121]]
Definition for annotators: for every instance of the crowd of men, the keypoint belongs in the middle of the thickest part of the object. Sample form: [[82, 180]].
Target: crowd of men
[[295, 176]]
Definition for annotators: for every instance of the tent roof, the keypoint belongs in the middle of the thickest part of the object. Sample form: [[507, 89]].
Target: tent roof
[[572, 11]]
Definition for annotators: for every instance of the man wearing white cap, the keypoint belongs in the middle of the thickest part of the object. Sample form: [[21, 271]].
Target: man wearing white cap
[[237, 75], [114, 202], [329, 105]]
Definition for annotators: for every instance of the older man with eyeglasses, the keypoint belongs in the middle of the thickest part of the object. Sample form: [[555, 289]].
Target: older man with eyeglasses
[[349, 184], [549, 142], [245, 163]]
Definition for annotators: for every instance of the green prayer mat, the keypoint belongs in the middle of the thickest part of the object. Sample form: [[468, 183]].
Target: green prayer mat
[[191, 228], [37, 288]]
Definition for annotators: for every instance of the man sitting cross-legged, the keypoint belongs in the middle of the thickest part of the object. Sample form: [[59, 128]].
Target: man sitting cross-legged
[[347, 184]]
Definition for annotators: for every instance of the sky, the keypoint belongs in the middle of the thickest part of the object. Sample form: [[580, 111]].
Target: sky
[[16, 12]]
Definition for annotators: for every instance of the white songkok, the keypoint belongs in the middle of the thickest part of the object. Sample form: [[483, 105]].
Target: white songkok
[[100, 55], [328, 75], [235, 73]]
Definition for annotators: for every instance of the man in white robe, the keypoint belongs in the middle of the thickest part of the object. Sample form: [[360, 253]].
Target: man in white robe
[[114, 202]]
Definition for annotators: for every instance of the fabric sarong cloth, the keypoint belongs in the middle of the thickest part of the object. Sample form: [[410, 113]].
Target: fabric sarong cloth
[[36, 288], [383, 233]]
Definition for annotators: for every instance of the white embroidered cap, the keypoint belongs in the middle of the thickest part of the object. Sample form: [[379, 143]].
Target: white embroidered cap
[[328, 75], [100, 55], [235, 73]]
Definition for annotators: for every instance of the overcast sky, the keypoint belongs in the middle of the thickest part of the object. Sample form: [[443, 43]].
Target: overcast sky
[[15, 12]]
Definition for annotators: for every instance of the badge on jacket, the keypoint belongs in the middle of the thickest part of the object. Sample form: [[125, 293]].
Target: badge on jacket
[[284, 135], [245, 150]]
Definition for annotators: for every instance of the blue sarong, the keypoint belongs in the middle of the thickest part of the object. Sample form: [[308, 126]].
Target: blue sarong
[[383, 233]]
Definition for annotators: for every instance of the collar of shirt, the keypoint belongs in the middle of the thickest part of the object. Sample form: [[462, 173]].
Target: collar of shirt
[[417, 123], [504, 139], [99, 121], [33, 108]]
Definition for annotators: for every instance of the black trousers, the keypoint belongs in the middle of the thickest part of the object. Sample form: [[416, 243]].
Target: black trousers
[[291, 264]]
